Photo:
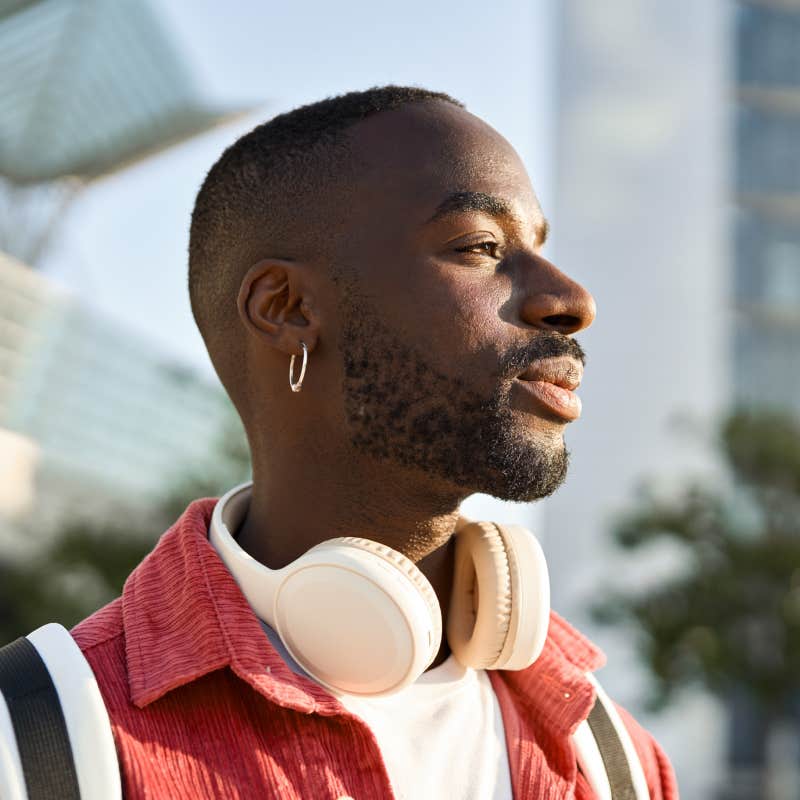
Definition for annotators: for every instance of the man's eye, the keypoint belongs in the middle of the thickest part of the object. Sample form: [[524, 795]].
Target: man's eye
[[489, 248]]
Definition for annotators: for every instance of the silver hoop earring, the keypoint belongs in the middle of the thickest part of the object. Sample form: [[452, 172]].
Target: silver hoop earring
[[296, 387]]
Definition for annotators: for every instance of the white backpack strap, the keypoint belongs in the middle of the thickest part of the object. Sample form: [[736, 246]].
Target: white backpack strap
[[591, 762], [87, 724], [606, 753], [12, 782]]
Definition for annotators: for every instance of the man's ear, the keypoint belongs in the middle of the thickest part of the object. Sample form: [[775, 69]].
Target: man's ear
[[275, 305]]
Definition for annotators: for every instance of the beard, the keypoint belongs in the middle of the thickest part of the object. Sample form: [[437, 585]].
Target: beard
[[401, 409]]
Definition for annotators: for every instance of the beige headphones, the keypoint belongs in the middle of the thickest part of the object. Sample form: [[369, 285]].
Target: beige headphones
[[361, 618]]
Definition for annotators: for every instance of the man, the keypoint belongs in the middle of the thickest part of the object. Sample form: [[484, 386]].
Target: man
[[384, 248]]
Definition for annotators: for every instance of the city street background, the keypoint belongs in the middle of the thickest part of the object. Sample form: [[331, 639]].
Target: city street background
[[663, 140]]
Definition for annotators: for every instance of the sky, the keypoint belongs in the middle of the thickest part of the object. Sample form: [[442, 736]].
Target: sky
[[122, 245]]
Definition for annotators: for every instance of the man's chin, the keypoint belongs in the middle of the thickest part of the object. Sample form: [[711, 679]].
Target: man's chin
[[521, 491], [523, 476]]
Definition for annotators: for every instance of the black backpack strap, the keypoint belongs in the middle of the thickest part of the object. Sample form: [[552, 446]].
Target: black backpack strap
[[606, 753], [56, 736], [38, 721], [612, 752]]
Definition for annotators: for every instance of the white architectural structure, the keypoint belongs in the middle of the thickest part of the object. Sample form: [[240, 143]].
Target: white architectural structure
[[86, 408]]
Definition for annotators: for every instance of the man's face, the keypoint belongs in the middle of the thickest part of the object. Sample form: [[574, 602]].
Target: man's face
[[454, 331]]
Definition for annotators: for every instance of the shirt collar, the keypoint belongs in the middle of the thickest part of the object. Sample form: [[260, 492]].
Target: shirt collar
[[555, 686], [185, 616]]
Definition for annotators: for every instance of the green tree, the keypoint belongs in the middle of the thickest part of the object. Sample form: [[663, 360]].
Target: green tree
[[84, 563], [730, 619]]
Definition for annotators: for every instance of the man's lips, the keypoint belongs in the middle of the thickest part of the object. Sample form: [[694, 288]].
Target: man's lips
[[551, 382]]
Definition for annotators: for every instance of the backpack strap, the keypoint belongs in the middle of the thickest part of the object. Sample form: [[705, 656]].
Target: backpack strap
[[55, 734], [56, 739], [606, 753]]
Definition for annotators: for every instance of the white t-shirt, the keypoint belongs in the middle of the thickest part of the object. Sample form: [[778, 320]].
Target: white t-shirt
[[440, 737]]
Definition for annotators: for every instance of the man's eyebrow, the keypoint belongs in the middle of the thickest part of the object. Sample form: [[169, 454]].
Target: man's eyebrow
[[458, 202], [472, 201]]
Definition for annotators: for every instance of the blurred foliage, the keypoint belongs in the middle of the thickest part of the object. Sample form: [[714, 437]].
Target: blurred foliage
[[732, 616], [83, 564]]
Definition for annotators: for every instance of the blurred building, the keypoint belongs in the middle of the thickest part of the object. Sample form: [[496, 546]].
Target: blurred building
[[765, 78], [678, 204], [641, 219], [87, 87], [88, 411], [766, 182]]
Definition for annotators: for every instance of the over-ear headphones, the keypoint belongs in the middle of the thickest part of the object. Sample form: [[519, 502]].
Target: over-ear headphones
[[361, 618]]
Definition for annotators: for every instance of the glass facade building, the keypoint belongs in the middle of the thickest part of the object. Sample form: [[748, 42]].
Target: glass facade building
[[766, 322], [766, 183], [109, 414]]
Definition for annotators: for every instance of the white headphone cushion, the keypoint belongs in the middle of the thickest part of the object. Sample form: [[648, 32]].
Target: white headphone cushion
[[481, 607]]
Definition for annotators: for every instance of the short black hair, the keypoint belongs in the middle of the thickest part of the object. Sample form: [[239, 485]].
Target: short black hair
[[266, 195]]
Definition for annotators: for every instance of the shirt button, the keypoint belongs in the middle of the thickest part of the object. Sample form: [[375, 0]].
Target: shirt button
[[567, 695]]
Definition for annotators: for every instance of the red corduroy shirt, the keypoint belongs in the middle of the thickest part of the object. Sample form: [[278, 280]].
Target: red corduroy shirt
[[202, 706]]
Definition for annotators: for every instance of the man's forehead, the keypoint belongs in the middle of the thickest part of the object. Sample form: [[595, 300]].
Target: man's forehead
[[441, 159], [427, 135]]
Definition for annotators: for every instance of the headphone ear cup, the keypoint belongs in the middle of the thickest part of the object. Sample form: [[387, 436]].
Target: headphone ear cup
[[530, 599], [479, 616], [500, 608], [413, 573], [359, 617]]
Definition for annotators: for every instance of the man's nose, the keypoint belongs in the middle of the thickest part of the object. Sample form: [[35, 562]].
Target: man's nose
[[554, 301]]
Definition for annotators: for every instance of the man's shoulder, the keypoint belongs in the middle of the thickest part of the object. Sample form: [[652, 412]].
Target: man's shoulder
[[101, 638], [584, 655], [658, 770], [101, 627]]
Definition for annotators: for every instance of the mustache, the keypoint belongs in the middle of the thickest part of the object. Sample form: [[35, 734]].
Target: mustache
[[547, 344]]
